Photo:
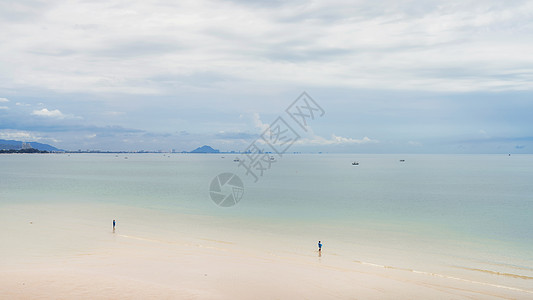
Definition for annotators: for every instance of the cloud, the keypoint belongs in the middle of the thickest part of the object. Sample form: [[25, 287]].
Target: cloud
[[256, 119], [18, 134], [48, 113], [27, 136], [236, 135], [4, 107], [392, 70], [484, 133], [113, 113], [335, 140], [498, 140], [387, 45]]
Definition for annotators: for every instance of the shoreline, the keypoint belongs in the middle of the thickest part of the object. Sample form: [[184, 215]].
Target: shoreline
[[78, 257]]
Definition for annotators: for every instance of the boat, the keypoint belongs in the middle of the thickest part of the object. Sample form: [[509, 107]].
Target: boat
[[236, 159], [402, 160], [355, 163]]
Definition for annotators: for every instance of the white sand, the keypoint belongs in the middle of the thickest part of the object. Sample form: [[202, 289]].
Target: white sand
[[71, 253]]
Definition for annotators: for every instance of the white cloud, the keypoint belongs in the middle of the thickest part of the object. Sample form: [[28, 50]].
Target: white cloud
[[26, 136], [48, 113], [386, 45], [484, 134], [113, 113], [239, 57], [258, 123], [4, 107], [17, 134], [335, 140]]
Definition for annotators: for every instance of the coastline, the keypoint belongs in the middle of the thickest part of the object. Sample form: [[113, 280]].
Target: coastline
[[70, 251]]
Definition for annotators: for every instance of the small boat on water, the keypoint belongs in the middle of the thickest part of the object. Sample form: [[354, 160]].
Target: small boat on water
[[402, 160], [236, 159], [355, 163]]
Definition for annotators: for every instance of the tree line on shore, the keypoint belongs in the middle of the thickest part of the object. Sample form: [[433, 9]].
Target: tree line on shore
[[30, 150]]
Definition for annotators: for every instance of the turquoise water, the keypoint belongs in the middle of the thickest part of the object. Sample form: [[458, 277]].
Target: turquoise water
[[450, 207]]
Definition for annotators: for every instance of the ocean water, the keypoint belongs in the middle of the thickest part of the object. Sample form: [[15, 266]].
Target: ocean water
[[461, 215]]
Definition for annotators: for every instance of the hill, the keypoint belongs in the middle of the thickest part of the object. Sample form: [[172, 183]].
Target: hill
[[205, 149], [17, 145]]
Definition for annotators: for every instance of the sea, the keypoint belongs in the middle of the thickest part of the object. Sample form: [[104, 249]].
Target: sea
[[460, 216]]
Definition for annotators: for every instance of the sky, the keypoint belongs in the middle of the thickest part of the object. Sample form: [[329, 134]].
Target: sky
[[391, 76]]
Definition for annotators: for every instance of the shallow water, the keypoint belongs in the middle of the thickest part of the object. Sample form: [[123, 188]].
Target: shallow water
[[462, 215]]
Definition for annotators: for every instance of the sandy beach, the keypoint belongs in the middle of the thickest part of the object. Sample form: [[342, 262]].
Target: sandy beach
[[71, 252], [266, 149]]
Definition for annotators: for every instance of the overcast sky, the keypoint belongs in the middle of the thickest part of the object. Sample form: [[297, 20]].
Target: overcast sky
[[391, 76]]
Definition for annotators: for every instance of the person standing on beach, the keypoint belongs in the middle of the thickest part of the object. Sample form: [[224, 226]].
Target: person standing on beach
[[114, 225], [319, 246]]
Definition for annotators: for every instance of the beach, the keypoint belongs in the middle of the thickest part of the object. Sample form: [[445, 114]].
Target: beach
[[71, 252], [266, 150], [172, 242]]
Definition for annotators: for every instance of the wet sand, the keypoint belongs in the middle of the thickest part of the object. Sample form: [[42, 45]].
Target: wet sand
[[72, 253]]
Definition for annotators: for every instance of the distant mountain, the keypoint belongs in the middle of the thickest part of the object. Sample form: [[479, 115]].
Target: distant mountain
[[17, 145], [205, 149]]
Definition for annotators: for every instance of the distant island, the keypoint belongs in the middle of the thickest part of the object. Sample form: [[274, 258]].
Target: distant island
[[11, 146], [205, 149]]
